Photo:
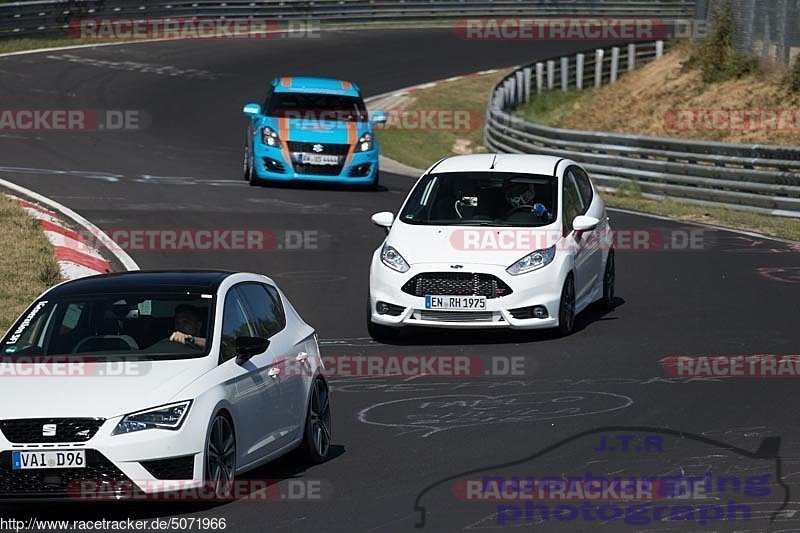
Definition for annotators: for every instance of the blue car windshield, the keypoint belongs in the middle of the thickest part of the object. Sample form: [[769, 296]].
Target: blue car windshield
[[482, 199], [118, 326], [313, 106]]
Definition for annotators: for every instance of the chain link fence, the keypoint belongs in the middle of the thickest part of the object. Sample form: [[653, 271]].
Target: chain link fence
[[766, 28]]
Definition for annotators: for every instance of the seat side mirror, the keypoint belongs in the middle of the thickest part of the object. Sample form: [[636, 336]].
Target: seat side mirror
[[249, 347]]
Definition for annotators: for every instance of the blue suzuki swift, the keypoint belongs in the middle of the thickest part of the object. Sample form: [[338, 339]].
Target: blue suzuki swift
[[311, 129]]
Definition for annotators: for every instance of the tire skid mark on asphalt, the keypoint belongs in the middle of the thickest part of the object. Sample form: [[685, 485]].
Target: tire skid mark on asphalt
[[135, 66], [366, 384]]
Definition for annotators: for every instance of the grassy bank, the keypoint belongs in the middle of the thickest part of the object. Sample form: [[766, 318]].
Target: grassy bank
[[27, 267], [420, 147], [670, 98]]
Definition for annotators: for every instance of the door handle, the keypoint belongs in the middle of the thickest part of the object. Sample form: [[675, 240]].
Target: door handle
[[274, 372], [302, 358]]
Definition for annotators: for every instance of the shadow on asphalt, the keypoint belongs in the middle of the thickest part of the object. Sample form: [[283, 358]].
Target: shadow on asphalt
[[320, 186], [285, 468], [442, 337]]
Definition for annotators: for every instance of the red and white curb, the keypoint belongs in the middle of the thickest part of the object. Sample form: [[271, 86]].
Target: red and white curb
[[76, 259]]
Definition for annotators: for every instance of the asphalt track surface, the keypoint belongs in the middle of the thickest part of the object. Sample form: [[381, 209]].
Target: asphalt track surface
[[738, 295]]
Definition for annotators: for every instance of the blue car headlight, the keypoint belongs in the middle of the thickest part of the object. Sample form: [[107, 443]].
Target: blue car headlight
[[365, 143], [270, 137], [169, 416]]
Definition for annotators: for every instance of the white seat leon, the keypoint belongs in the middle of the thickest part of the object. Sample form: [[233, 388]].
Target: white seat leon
[[492, 241], [136, 384]]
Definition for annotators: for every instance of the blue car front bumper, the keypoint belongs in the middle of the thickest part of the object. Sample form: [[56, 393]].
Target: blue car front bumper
[[360, 168]]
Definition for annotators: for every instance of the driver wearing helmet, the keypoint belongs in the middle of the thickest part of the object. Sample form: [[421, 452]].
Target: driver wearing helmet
[[521, 195]]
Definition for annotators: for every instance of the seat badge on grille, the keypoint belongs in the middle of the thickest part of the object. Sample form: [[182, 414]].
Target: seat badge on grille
[[49, 430]]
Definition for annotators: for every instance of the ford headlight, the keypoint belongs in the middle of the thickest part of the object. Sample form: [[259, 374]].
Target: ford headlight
[[269, 136], [165, 417], [533, 261], [393, 259]]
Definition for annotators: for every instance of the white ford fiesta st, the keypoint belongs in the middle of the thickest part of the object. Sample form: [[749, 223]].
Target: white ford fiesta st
[[143, 383], [492, 241]]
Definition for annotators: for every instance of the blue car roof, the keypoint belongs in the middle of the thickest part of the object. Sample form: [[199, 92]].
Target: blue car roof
[[290, 84]]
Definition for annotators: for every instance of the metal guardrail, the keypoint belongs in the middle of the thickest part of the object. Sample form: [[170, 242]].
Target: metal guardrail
[[759, 178], [48, 18]]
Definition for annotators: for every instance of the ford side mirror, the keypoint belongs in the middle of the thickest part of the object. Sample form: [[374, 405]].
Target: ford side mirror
[[584, 223]]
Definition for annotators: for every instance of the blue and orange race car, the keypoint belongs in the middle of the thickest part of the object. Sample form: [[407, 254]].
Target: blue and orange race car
[[311, 129]]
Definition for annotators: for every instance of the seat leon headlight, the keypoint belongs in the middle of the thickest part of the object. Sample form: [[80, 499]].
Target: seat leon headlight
[[533, 261], [169, 416]]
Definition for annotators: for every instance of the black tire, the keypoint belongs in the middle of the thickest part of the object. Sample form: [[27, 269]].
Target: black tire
[[609, 280], [219, 472], [378, 332], [315, 447], [566, 308], [247, 165]]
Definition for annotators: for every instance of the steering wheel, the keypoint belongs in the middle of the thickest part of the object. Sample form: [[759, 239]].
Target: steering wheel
[[519, 208]]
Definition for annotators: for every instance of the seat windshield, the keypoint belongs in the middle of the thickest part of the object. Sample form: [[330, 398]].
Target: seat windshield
[[120, 326]]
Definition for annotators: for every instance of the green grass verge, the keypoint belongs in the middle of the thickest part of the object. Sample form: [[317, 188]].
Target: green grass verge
[[781, 227], [27, 267], [551, 107], [420, 148]]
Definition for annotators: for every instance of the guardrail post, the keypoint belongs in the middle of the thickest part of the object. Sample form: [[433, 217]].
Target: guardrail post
[[783, 50], [520, 87], [551, 74], [499, 98], [539, 77], [579, 59], [565, 73], [510, 91], [659, 49], [598, 67], [631, 57], [614, 63], [527, 79]]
